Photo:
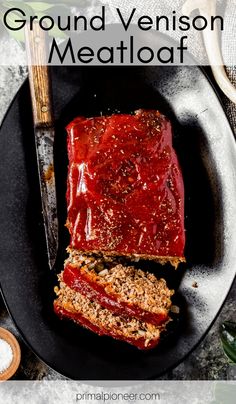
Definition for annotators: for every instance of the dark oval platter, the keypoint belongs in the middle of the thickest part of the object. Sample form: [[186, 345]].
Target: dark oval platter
[[207, 153]]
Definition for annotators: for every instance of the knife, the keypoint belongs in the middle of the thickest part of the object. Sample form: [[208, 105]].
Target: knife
[[40, 88]]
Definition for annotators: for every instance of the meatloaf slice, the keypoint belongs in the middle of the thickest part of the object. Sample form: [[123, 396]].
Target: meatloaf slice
[[73, 305], [121, 289], [125, 194]]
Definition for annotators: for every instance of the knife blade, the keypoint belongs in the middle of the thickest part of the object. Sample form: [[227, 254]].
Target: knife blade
[[40, 88]]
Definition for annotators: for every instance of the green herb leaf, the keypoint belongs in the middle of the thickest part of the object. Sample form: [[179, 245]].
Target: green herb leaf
[[54, 31], [228, 339], [25, 7], [18, 34], [40, 5], [72, 3]]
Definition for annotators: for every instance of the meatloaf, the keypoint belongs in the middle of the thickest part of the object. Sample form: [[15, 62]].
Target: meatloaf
[[122, 289], [125, 193], [125, 202], [73, 305]]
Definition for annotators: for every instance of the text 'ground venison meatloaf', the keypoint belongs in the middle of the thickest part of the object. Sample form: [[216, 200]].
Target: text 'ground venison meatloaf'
[[125, 201]]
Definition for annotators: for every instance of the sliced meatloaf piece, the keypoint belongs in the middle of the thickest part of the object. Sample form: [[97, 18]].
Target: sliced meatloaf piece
[[121, 289], [125, 194], [73, 305]]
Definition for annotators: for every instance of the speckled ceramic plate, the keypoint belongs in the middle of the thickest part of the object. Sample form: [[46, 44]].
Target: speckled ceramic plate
[[206, 149]]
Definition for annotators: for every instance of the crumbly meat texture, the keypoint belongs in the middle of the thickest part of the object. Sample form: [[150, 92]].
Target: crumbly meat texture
[[91, 314], [125, 193], [120, 288]]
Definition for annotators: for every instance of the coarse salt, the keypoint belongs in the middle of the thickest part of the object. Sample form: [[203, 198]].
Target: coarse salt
[[6, 355]]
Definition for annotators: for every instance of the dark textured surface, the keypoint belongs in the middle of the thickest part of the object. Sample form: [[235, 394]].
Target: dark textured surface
[[194, 368]]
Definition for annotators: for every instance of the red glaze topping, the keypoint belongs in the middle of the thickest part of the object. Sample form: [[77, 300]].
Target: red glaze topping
[[125, 190], [78, 280], [80, 319]]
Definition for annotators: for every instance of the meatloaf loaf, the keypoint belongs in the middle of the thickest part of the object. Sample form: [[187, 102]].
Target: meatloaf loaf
[[125, 201], [125, 193]]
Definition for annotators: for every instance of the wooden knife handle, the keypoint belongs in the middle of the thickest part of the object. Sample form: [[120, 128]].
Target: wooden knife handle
[[40, 84]]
